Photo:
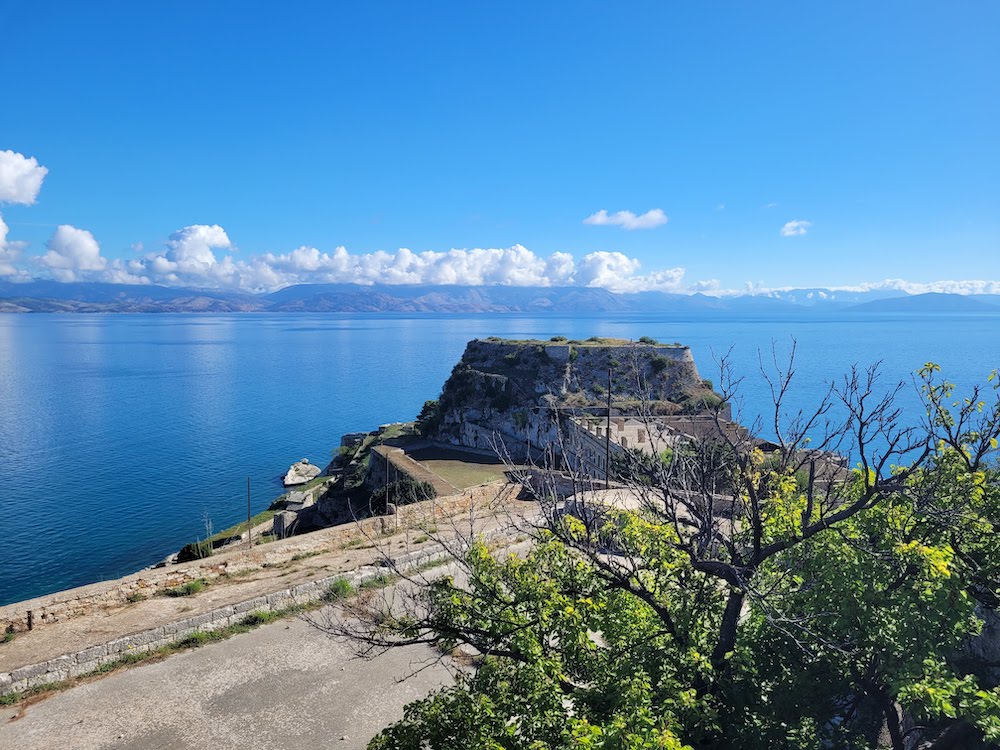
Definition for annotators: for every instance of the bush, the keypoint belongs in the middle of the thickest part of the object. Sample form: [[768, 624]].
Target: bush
[[429, 418], [558, 338], [647, 340], [195, 551], [187, 589], [404, 492], [340, 588], [659, 364], [699, 404]]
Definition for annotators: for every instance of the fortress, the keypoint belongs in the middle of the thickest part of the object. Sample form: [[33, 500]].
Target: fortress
[[517, 397]]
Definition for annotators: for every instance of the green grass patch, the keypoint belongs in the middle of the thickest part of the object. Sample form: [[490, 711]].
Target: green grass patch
[[379, 581], [305, 555], [340, 588], [240, 528], [135, 597], [187, 589]]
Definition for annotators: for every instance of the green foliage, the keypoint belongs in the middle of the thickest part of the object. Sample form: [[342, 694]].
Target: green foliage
[[195, 551], [701, 403], [659, 364], [340, 588], [187, 589], [429, 419], [558, 339], [647, 340], [608, 632], [404, 492]]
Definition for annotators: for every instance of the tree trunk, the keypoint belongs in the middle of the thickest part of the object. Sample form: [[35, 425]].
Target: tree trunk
[[893, 726], [727, 631]]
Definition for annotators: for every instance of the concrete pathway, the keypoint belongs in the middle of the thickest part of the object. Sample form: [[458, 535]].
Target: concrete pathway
[[284, 685]]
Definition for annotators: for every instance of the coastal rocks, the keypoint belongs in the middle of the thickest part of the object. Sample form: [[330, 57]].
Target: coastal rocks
[[301, 472]]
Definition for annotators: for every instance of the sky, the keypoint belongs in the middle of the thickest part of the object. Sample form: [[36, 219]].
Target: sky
[[681, 146]]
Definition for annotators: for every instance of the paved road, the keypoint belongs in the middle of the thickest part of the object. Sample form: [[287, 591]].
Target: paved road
[[284, 685]]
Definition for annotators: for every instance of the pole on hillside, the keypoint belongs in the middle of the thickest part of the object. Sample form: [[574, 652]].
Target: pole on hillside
[[249, 530], [607, 437]]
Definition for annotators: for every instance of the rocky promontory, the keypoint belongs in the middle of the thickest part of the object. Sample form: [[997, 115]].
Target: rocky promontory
[[301, 472]]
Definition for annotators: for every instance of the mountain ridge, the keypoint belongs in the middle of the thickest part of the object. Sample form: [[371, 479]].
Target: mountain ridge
[[93, 297]]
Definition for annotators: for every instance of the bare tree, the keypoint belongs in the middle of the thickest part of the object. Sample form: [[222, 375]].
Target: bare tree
[[713, 483]]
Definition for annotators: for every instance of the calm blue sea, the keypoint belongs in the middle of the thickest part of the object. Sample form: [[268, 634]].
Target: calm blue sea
[[120, 433]]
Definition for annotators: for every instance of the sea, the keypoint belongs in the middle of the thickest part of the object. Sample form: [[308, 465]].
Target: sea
[[123, 436]]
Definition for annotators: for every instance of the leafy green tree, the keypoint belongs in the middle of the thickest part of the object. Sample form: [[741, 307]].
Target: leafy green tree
[[739, 600], [429, 418]]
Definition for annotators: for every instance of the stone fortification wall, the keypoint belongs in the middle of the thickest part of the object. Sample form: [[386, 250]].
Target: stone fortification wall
[[86, 661], [512, 390], [390, 464], [108, 595]]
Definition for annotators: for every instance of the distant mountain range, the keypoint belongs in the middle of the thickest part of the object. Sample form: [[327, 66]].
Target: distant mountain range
[[51, 296]]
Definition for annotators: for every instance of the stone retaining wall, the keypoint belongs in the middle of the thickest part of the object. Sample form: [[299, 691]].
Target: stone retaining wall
[[108, 595], [86, 661]]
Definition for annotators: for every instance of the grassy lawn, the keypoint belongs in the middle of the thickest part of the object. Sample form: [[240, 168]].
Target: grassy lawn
[[463, 470]]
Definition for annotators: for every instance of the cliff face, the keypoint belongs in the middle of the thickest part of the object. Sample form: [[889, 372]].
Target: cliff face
[[515, 390]]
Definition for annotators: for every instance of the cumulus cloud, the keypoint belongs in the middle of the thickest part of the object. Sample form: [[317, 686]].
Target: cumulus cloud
[[190, 258], [706, 285], [9, 252], [73, 254], [627, 219], [795, 228], [967, 286], [20, 178], [201, 256]]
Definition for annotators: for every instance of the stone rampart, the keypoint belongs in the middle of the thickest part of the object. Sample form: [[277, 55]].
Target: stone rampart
[[86, 661], [108, 595]]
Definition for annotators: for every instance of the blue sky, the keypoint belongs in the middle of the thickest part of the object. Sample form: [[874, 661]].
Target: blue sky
[[471, 125]]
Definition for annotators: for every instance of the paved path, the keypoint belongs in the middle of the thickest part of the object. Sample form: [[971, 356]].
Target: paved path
[[284, 685]]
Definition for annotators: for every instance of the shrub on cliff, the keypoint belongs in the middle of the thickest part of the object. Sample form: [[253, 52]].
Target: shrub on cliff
[[403, 492], [429, 419]]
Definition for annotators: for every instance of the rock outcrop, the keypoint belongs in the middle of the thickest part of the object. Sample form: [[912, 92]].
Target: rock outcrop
[[514, 392], [301, 472]]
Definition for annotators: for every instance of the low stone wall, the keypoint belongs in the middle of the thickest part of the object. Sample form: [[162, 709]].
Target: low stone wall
[[108, 595], [86, 661]]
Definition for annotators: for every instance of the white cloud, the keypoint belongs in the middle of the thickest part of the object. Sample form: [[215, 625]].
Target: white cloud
[[20, 178], [627, 219], [9, 252], [201, 256], [968, 286], [706, 285], [795, 228], [73, 254], [619, 273]]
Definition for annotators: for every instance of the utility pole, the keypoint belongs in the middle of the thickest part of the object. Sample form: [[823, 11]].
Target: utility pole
[[607, 436], [249, 532]]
